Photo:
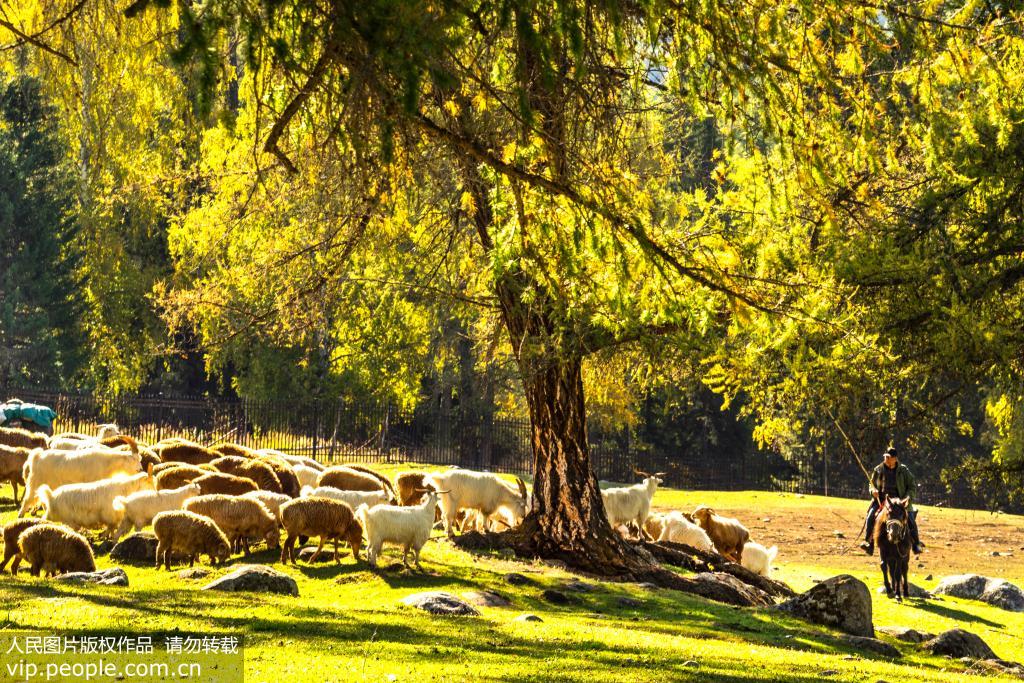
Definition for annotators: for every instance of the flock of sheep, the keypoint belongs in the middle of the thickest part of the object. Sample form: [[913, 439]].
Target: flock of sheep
[[220, 500]]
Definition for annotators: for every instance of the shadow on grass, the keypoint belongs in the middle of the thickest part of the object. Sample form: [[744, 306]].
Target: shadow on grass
[[953, 613]]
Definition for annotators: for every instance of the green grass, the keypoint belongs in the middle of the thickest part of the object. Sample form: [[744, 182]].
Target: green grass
[[348, 624]]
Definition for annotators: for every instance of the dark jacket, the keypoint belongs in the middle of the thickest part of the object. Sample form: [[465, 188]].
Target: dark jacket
[[906, 485]]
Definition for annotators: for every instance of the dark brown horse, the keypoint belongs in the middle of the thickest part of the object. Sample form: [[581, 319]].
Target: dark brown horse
[[892, 537]]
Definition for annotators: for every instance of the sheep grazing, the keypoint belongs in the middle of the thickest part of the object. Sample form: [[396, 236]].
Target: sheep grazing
[[482, 491], [93, 504], [239, 518], [409, 486], [272, 501], [180, 474], [186, 452], [188, 534], [282, 468], [353, 498], [12, 466], [261, 473], [141, 507], [56, 468], [323, 517], [53, 549], [348, 479], [307, 476], [632, 504], [728, 535], [758, 559], [228, 484], [11, 532], [22, 438], [677, 528], [406, 526]]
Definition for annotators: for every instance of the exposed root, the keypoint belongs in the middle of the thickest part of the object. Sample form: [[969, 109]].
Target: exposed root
[[616, 559]]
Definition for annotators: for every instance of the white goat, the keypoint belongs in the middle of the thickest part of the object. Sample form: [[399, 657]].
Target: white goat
[[93, 504], [481, 491], [631, 504], [404, 525], [757, 558], [678, 529], [142, 506], [353, 498], [56, 468]]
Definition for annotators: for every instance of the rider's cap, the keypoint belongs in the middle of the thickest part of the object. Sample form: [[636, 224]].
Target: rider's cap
[[890, 452]]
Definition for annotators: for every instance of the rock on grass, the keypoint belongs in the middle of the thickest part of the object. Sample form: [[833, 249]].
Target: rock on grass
[[441, 603], [255, 578]]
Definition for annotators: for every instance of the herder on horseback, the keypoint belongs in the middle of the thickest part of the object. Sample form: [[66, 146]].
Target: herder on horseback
[[891, 479]]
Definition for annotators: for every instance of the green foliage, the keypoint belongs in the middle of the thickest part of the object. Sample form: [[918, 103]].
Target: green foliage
[[41, 328]]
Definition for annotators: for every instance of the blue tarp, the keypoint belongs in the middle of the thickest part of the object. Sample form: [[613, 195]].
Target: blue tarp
[[16, 410]]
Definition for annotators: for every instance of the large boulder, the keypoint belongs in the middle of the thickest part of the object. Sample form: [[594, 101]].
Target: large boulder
[[487, 598], [114, 576], [441, 603], [727, 588], [255, 578], [841, 602], [957, 643], [997, 592]]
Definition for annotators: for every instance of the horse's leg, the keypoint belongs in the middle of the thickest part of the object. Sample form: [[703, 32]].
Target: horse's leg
[[905, 571], [885, 573]]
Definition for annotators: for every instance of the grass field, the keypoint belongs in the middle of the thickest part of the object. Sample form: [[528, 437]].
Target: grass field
[[348, 625]]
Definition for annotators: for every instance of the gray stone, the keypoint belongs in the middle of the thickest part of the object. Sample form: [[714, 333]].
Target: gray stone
[[1004, 595], [996, 592], [487, 598], [690, 664], [194, 573], [306, 554], [578, 586], [630, 603], [1001, 666], [556, 597], [905, 634], [137, 548], [871, 645], [958, 643], [648, 586], [255, 578], [440, 603], [114, 576], [518, 579], [842, 602], [527, 617]]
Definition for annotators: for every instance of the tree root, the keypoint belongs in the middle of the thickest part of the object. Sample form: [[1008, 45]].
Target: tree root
[[621, 560]]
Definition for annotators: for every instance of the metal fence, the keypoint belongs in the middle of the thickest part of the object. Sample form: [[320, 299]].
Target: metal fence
[[359, 431]]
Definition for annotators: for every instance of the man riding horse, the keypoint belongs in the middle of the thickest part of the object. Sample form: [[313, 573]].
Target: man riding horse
[[891, 479]]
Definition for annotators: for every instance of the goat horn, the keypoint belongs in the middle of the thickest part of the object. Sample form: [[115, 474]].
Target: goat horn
[[522, 488], [640, 472], [501, 521], [660, 474]]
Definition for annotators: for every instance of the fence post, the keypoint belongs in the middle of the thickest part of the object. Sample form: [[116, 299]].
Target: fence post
[[160, 416], [316, 426]]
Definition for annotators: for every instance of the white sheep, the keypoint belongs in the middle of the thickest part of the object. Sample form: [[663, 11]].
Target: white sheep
[[272, 501], [481, 491], [404, 525], [677, 528], [142, 506], [631, 504], [93, 504], [56, 468], [757, 558], [353, 498], [306, 475]]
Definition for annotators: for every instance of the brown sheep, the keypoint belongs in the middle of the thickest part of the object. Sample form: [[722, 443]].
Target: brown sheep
[[12, 466], [233, 449], [259, 472], [385, 483], [349, 479], [726, 533], [323, 517], [228, 484], [53, 549], [239, 518], [21, 438], [188, 534], [178, 476], [11, 533], [406, 484], [186, 452], [282, 468]]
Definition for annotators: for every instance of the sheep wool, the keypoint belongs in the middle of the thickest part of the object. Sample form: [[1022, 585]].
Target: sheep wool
[[239, 518], [53, 549], [12, 531], [188, 534], [323, 517]]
